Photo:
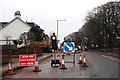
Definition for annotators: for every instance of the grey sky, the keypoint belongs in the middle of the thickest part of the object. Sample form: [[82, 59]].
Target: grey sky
[[46, 13]]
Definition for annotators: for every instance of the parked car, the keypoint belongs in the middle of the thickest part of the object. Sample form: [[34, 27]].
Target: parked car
[[84, 48]]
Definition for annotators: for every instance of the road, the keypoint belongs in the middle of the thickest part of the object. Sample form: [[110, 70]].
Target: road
[[99, 66]]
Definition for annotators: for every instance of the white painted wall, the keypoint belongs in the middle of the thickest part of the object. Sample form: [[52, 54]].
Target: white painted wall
[[13, 30]]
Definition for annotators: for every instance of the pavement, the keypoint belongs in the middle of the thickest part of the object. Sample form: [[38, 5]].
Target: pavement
[[4, 67]]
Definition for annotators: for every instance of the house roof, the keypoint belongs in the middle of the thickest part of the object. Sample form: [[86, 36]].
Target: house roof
[[30, 24], [5, 24], [2, 24]]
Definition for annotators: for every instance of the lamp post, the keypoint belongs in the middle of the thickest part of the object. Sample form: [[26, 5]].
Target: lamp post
[[57, 26]]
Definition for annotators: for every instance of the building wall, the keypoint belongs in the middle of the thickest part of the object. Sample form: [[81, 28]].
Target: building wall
[[13, 30]]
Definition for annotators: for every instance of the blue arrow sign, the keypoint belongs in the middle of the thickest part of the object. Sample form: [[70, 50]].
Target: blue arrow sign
[[69, 47]]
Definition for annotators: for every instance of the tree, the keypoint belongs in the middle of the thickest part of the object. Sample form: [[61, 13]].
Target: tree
[[27, 37], [38, 32], [101, 24]]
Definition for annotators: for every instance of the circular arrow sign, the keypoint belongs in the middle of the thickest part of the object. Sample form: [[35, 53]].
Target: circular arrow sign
[[69, 47]]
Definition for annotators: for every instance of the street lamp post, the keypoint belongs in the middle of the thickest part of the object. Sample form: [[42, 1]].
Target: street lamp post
[[57, 27]]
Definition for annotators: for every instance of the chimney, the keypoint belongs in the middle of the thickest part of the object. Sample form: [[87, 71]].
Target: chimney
[[17, 14]]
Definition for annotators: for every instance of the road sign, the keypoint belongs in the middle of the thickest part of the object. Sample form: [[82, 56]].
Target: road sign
[[27, 60], [69, 47]]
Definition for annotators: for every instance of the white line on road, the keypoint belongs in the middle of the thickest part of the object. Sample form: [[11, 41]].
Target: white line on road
[[111, 58]]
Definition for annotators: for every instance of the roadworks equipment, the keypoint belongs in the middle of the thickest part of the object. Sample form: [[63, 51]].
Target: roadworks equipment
[[68, 53], [84, 62], [80, 59], [58, 53], [63, 63], [10, 70], [36, 67]]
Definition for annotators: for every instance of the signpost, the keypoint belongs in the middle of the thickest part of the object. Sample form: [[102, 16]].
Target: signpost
[[69, 47], [27, 60]]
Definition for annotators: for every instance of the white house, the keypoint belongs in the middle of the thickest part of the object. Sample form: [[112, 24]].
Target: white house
[[13, 29]]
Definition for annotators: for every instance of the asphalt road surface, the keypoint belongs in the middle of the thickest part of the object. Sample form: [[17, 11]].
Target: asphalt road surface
[[99, 64]]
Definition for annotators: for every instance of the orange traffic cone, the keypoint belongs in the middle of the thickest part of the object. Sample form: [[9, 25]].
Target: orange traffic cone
[[69, 53], [36, 67], [84, 63], [63, 64], [10, 70], [58, 54], [80, 59]]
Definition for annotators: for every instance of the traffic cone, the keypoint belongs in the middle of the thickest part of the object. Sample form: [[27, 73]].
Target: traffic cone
[[58, 54], [84, 63], [10, 70], [63, 63], [36, 67], [80, 59], [69, 53]]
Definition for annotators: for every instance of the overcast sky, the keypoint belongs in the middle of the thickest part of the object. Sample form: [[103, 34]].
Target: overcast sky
[[45, 13]]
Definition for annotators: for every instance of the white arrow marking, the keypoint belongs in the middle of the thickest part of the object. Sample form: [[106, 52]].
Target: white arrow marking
[[70, 48]]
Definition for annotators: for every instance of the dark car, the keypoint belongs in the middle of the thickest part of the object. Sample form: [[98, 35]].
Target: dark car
[[84, 48]]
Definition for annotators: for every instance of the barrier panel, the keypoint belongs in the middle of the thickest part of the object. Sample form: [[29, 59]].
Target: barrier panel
[[27, 60]]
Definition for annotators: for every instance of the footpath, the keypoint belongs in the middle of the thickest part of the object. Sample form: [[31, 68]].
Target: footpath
[[4, 67]]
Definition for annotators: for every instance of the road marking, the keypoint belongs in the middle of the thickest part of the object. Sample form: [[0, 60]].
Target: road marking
[[111, 58]]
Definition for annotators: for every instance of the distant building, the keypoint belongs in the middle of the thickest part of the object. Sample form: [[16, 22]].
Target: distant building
[[12, 30]]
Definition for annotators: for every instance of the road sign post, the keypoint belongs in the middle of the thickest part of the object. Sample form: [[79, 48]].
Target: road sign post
[[69, 47]]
